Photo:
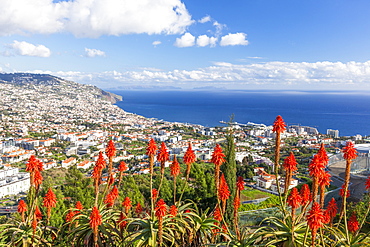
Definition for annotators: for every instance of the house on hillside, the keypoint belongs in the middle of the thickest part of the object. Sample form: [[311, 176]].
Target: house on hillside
[[268, 181], [68, 162]]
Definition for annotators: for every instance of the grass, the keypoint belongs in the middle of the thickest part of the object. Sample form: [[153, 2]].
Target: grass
[[252, 194]]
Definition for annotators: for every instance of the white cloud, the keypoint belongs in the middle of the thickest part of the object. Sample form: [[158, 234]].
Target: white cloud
[[204, 40], [255, 57], [205, 19], [234, 39], [186, 40], [157, 42], [319, 75], [87, 18], [94, 53], [26, 49], [219, 28]]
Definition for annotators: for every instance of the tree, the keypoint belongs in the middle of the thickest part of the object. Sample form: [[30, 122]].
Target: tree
[[229, 170]]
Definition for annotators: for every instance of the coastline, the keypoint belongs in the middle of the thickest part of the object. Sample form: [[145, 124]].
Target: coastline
[[341, 111]]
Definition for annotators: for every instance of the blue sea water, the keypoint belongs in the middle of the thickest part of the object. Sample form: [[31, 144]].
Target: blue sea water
[[348, 112]]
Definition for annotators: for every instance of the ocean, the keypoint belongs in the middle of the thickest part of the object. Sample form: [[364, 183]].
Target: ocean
[[348, 112]]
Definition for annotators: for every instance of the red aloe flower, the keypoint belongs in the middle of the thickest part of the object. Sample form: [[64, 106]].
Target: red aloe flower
[[37, 178], [109, 200], [31, 165], [315, 219], [160, 212], [189, 158], [79, 205], [290, 163], [152, 148], [223, 192], [350, 154], [332, 209], [240, 184], [34, 223], [39, 165], [111, 197], [175, 167], [50, 201], [236, 203], [173, 210], [122, 166], [110, 150], [160, 209], [217, 214], [324, 181], [96, 173], [70, 215], [316, 169], [100, 162], [138, 208], [115, 192], [38, 213], [279, 125], [22, 207], [163, 154], [349, 151], [150, 151], [218, 156], [95, 222], [367, 184], [127, 204], [316, 166], [122, 223], [353, 224], [305, 194], [218, 160], [323, 155], [155, 194], [294, 198]]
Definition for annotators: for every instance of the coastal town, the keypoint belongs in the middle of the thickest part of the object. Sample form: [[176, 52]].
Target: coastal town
[[66, 124]]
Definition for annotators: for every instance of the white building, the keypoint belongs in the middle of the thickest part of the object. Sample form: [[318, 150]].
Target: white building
[[268, 181], [85, 164], [13, 182], [333, 133]]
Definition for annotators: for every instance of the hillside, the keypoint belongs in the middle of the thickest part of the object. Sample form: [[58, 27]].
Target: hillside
[[52, 84], [41, 101]]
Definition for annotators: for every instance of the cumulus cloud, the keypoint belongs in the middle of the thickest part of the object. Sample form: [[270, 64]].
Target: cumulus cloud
[[94, 53], [328, 75], [157, 42], [186, 40], [234, 39], [24, 48], [86, 18], [205, 19], [204, 40]]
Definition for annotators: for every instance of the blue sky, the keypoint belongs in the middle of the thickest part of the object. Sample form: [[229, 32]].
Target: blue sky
[[239, 44]]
